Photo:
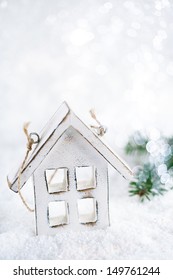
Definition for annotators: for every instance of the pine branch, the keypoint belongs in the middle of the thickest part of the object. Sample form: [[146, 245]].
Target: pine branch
[[136, 144], [150, 180], [147, 183]]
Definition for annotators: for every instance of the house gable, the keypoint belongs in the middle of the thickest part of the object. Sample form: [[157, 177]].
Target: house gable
[[60, 122]]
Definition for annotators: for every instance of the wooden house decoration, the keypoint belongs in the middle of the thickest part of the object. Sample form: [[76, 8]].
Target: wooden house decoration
[[69, 166]]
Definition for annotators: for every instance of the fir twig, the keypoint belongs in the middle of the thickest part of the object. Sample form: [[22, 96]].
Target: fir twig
[[147, 183], [136, 144]]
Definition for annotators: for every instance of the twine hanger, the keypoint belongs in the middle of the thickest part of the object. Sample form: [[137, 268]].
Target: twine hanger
[[100, 129], [30, 142]]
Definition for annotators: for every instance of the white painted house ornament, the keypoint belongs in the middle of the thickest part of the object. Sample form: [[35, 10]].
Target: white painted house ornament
[[69, 166]]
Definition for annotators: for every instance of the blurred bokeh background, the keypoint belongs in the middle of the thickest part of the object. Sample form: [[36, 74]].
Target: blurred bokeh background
[[115, 56]]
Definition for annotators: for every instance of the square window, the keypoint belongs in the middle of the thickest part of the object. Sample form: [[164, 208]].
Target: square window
[[87, 210], [57, 180], [85, 177], [58, 213]]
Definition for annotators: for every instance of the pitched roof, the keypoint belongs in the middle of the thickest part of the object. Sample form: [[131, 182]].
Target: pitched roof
[[61, 120]]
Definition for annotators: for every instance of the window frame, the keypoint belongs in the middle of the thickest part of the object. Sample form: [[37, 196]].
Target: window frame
[[94, 178], [67, 181], [67, 216]]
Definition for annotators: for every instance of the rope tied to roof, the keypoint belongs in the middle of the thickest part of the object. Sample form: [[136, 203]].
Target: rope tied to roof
[[30, 142], [29, 139], [100, 129]]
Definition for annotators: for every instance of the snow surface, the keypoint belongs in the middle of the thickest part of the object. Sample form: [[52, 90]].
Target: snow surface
[[115, 56]]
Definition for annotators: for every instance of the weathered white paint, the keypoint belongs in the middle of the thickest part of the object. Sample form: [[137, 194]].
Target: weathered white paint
[[66, 143]]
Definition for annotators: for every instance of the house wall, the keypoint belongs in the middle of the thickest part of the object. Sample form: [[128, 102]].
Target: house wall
[[70, 151]]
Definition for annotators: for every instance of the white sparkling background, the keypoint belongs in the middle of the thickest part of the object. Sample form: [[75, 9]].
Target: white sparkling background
[[115, 56]]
